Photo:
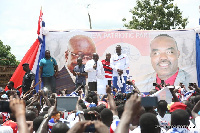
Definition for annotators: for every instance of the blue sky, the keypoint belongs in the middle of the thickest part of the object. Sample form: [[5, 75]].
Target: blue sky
[[18, 18]]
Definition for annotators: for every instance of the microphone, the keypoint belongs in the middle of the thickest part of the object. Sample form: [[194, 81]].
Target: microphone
[[95, 63]]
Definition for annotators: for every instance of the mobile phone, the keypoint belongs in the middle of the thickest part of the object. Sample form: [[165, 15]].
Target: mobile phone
[[66, 103], [90, 128], [171, 86], [191, 84], [82, 86], [128, 82], [4, 106], [149, 101], [154, 84]]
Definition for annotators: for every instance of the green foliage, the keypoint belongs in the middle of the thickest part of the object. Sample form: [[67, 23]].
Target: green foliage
[[156, 15], [6, 58]]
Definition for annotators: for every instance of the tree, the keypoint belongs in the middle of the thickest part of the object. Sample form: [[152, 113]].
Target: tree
[[156, 15], [6, 58]]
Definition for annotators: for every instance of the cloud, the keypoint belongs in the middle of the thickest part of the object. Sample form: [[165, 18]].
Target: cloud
[[19, 40]]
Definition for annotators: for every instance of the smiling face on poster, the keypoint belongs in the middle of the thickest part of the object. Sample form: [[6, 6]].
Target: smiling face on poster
[[164, 56], [148, 55], [79, 46]]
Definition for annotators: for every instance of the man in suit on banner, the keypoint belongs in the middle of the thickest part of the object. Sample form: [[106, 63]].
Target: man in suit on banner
[[78, 46]]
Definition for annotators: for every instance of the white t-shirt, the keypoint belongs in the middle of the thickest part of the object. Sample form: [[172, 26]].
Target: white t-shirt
[[165, 121], [197, 122], [92, 73], [179, 130], [6, 129], [119, 62], [138, 130]]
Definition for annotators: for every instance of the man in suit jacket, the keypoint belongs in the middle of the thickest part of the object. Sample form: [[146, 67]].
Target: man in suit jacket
[[164, 59], [78, 46]]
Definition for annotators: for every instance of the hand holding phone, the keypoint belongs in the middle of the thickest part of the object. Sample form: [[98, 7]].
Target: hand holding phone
[[191, 84], [162, 83], [128, 82], [100, 127], [90, 128], [149, 101], [81, 126], [154, 84], [171, 88], [4, 106]]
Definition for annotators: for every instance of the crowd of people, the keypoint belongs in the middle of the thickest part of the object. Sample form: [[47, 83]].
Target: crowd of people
[[121, 113], [117, 110]]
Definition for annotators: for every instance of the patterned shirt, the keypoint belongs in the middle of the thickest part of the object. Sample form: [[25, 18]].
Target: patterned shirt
[[107, 69], [119, 62]]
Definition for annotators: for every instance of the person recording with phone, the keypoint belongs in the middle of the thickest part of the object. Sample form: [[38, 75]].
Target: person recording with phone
[[129, 82], [197, 90], [159, 86], [11, 90]]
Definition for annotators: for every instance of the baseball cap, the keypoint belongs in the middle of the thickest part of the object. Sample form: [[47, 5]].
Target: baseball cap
[[25, 64], [12, 124], [177, 105]]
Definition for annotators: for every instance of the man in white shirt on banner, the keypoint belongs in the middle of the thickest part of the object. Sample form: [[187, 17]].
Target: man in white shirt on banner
[[119, 63]]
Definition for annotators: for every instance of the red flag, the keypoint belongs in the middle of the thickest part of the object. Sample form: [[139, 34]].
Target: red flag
[[29, 57]]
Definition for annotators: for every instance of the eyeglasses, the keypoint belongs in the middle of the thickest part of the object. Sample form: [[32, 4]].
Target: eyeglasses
[[80, 54]]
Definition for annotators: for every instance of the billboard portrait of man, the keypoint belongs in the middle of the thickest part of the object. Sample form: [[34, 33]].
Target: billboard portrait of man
[[164, 56], [78, 46]]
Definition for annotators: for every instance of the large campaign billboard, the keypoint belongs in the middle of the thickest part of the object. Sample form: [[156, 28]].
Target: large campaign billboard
[[67, 46]]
